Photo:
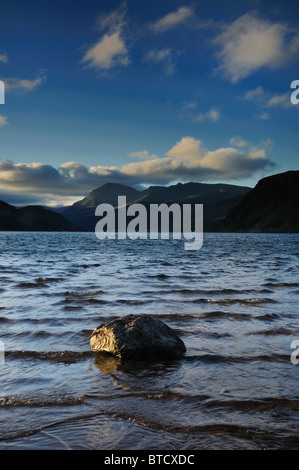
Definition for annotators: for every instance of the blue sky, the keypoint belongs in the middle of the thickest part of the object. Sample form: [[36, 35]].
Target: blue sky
[[144, 93]]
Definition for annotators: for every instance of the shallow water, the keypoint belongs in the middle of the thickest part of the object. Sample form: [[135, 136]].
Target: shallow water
[[234, 303]]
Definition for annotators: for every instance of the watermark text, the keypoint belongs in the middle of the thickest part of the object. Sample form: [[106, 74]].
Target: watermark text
[[154, 221], [2, 92], [295, 95], [295, 354], [2, 352]]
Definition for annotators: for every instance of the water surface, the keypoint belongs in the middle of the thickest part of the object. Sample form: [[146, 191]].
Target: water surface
[[234, 303]]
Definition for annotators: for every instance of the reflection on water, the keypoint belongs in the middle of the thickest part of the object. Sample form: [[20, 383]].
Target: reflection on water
[[234, 303], [107, 364]]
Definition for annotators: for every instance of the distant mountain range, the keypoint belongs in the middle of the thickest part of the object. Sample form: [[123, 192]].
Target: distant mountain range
[[217, 200], [272, 206]]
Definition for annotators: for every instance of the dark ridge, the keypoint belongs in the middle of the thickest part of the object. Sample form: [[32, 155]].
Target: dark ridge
[[272, 206], [217, 198], [33, 218]]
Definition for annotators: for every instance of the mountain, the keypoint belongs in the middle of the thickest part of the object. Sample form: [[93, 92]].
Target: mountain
[[217, 200], [82, 212], [33, 218], [271, 206]]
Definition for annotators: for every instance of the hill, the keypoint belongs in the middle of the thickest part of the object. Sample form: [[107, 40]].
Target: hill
[[217, 200], [32, 218], [82, 212], [271, 206]]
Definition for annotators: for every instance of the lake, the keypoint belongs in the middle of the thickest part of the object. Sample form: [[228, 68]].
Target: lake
[[234, 303]]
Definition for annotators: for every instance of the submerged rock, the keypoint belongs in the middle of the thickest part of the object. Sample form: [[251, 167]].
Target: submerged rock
[[137, 337]]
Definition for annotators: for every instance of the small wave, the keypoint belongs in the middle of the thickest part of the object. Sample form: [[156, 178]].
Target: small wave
[[81, 293], [49, 279], [158, 276], [276, 332], [31, 285], [81, 301], [56, 356], [217, 358], [221, 428], [215, 334], [94, 265], [31, 334], [71, 308], [94, 301], [281, 284], [134, 301], [44, 320], [268, 317], [209, 316], [6, 320], [39, 402], [204, 291], [219, 315], [258, 404], [39, 282], [176, 316], [253, 301]]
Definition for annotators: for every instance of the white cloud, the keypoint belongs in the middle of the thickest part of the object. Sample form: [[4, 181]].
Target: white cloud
[[237, 141], [223, 163], [190, 110], [3, 58], [171, 20], [264, 116], [3, 121], [212, 115], [113, 21], [144, 155], [282, 100], [188, 149], [187, 160], [266, 100], [189, 105], [250, 43], [17, 84], [161, 56], [257, 94], [110, 51]]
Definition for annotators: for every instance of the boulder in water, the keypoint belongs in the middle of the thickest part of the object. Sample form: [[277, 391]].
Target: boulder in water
[[139, 337]]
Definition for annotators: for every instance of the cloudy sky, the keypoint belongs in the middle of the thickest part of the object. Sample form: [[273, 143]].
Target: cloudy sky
[[143, 93]]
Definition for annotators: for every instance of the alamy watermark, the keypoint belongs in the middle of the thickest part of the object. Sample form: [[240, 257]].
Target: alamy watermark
[[2, 352], [2, 92], [295, 354], [295, 95], [152, 221]]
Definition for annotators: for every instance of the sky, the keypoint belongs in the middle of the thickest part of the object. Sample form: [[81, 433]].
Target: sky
[[144, 93]]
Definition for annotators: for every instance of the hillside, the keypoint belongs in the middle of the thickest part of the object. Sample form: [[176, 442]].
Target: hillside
[[271, 206], [32, 218], [82, 212], [217, 200]]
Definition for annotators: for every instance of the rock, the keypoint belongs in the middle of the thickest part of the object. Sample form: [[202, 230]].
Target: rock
[[137, 337]]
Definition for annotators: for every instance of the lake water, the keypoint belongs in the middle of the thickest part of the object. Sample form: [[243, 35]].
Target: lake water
[[234, 303]]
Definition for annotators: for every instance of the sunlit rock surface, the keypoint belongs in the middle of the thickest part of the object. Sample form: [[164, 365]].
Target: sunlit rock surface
[[137, 337]]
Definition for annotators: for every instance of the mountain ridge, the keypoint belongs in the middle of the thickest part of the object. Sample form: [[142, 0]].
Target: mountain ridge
[[272, 206], [211, 195], [32, 218]]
